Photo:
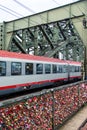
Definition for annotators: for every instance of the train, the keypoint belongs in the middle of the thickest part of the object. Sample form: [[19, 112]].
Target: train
[[19, 72]]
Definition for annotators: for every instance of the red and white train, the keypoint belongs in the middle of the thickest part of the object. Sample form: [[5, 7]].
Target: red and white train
[[24, 71]]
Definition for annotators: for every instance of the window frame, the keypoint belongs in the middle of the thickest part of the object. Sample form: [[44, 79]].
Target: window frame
[[31, 71], [14, 74], [3, 74], [39, 71], [49, 68], [54, 68]]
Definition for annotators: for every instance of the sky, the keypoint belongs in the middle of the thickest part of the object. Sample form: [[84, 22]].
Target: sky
[[15, 9]]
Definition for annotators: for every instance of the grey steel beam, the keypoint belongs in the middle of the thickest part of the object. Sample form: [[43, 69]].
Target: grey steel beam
[[31, 33], [46, 36], [48, 16], [50, 32], [54, 51], [36, 41], [72, 11], [61, 31], [18, 44]]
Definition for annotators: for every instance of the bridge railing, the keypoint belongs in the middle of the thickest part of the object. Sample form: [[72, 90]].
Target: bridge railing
[[46, 110]]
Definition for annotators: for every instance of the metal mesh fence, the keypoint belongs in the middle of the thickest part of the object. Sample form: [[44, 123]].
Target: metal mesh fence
[[45, 110]]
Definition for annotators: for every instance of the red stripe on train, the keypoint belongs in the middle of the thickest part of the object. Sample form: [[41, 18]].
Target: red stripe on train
[[29, 84], [33, 83]]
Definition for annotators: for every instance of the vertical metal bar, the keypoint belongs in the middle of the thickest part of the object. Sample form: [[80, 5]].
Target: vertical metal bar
[[53, 110], [78, 95]]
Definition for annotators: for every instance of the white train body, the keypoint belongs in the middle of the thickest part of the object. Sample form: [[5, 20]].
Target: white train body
[[21, 71]]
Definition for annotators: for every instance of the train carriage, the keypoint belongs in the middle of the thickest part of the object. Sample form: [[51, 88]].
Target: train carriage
[[23, 71]]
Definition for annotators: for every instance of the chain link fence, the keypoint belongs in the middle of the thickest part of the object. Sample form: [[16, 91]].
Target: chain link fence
[[45, 110]]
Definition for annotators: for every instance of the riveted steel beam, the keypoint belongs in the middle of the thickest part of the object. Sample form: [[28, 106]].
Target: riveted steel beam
[[49, 33], [47, 37], [18, 44], [48, 16]]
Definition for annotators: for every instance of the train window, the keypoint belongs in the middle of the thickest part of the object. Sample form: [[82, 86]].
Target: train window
[[64, 68], [54, 68], [16, 68], [39, 68], [79, 69], [60, 68], [72, 68], [28, 68], [47, 68], [2, 68], [76, 69]]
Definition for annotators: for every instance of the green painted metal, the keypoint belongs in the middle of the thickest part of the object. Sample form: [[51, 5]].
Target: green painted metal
[[48, 33]]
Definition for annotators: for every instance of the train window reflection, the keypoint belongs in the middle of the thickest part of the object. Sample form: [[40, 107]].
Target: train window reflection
[[47, 68], [64, 68], [39, 68], [72, 68], [16, 68], [28, 68], [54, 68], [2, 68], [60, 69], [79, 69]]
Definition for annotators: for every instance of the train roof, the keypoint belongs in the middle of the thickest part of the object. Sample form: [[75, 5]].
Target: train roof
[[33, 57], [71, 62]]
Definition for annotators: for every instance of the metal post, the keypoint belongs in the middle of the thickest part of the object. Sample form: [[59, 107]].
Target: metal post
[[53, 110]]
